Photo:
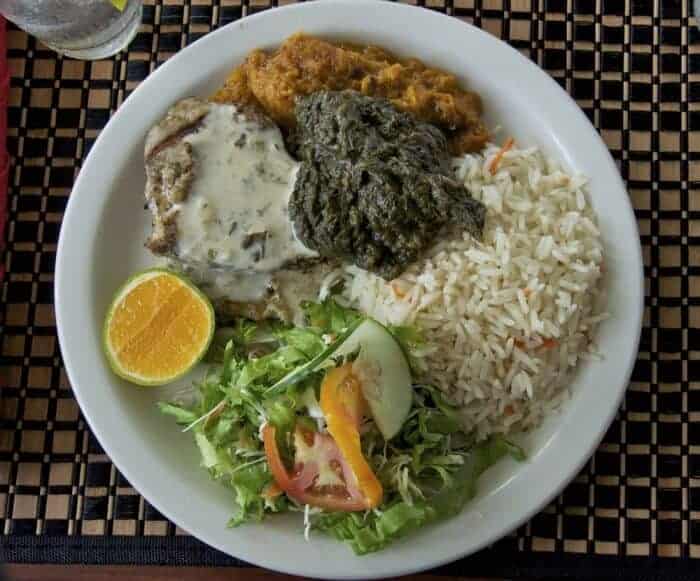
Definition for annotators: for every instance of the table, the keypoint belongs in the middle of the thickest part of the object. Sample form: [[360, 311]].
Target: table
[[634, 68]]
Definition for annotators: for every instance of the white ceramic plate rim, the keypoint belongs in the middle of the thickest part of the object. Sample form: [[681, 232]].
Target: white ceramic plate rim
[[560, 463]]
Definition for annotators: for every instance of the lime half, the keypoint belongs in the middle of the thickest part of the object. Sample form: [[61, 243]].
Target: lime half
[[157, 328]]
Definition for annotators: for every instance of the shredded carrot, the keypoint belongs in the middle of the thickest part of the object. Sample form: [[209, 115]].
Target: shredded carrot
[[271, 491], [546, 343], [493, 166], [397, 290]]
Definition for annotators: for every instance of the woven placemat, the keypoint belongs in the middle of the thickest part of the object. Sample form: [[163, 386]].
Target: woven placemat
[[634, 68]]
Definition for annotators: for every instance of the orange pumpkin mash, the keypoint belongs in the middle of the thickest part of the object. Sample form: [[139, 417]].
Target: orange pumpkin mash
[[303, 65]]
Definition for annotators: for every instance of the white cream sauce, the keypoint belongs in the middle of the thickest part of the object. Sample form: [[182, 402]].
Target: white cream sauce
[[219, 283], [235, 217]]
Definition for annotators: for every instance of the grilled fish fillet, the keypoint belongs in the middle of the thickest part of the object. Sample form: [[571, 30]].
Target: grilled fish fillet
[[218, 181]]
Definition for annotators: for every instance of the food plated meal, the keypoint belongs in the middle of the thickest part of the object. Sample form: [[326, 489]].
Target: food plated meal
[[391, 310], [445, 330]]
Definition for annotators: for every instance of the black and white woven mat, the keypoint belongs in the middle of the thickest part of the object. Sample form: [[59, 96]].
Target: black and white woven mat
[[634, 68]]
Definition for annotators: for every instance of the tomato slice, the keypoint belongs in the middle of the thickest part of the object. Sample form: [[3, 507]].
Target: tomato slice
[[322, 458]]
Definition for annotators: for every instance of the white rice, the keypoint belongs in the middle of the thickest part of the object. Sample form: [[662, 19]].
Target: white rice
[[506, 319]]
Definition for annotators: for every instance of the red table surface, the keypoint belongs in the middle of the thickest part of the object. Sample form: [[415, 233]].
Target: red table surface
[[4, 161]]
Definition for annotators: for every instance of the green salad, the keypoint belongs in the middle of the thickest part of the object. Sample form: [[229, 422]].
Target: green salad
[[326, 420]]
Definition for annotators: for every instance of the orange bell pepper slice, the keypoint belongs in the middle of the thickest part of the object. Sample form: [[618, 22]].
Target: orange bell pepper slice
[[343, 406]]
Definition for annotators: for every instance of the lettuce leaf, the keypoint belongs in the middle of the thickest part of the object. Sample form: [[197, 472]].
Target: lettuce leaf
[[374, 530], [329, 317], [238, 336], [313, 365], [243, 390], [178, 412], [269, 372], [428, 471]]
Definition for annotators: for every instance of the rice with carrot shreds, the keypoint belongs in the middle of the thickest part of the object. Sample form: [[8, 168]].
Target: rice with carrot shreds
[[503, 321]]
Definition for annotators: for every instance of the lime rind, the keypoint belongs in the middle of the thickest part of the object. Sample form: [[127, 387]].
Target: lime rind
[[130, 284], [119, 4]]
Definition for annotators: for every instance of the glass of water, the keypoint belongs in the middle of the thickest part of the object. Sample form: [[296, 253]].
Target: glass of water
[[83, 29]]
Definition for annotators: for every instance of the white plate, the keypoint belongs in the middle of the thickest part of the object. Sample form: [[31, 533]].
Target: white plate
[[102, 244]]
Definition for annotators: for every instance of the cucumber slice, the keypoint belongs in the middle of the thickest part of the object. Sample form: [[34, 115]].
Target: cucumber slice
[[384, 373]]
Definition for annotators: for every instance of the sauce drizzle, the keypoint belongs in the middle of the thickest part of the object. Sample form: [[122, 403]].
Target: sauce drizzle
[[235, 215]]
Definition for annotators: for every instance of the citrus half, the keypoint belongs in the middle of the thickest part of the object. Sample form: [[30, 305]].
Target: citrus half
[[157, 328]]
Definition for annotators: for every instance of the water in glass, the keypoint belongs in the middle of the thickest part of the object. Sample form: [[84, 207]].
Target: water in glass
[[85, 29]]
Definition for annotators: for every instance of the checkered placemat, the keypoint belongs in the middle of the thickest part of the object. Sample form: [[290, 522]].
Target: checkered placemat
[[634, 68]]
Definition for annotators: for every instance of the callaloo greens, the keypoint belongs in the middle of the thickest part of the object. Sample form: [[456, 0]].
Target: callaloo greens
[[266, 384], [375, 184]]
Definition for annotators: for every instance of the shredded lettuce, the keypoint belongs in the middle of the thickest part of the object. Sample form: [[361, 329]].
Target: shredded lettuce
[[374, 530], [238, 337], [330, 317], [429, 472], [269, 372], [313, 365], [410, 338], [181, 415], [247, 388]]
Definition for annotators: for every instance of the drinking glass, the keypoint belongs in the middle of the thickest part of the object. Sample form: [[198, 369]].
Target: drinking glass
[[83, 29]]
